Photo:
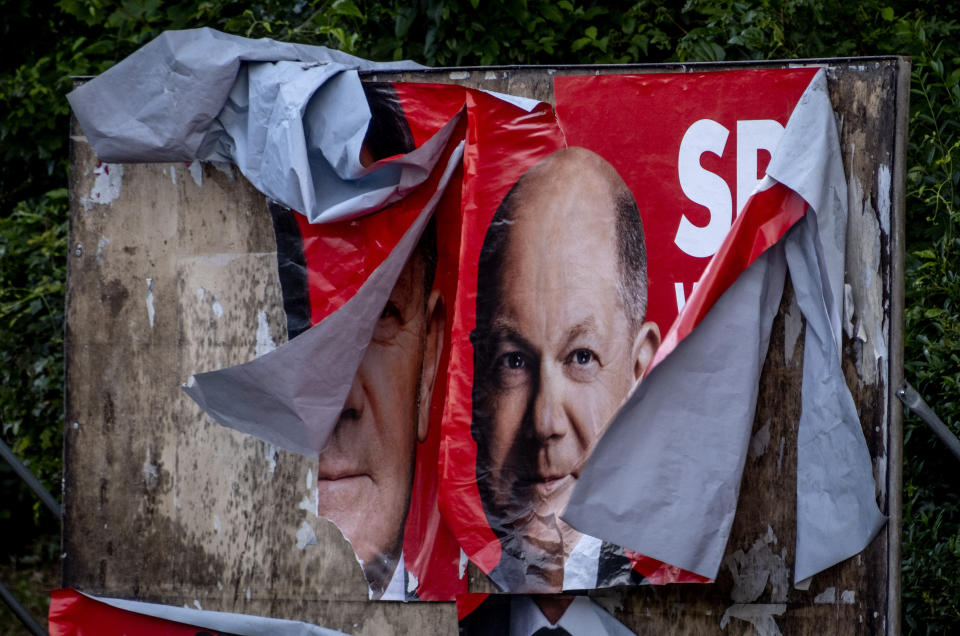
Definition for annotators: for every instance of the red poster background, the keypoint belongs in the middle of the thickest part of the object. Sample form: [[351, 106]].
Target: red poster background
[[636, 122]]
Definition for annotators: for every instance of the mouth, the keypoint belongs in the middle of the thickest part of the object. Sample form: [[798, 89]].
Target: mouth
[[341, 475], [550, 487], [335, 490], [339, 468]]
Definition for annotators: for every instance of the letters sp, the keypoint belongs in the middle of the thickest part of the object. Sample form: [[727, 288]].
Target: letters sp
[[710, 190]]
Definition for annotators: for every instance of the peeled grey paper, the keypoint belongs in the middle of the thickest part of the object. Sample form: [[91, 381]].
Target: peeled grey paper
[[665, 477], [837, 512], [291, 117], [809, 162], [296, 131], [293, 396], [223, 622], [159, 103]]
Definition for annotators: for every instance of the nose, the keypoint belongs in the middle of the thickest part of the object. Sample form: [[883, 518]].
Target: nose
[[549, 416], [345, 432], [353, 407]]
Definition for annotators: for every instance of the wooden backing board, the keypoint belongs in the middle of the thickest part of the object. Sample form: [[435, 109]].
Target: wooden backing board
[[172, 270]]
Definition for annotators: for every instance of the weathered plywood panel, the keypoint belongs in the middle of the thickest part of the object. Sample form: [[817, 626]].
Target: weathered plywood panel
[[162, 503], [176, 273]]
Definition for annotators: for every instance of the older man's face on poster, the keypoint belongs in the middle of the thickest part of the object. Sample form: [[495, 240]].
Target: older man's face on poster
[[366, 470]]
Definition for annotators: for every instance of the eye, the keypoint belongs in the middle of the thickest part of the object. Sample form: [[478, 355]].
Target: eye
[[583, 356], [512, 369], [582, 365], [388, 325], [513, 360], [390, 311]]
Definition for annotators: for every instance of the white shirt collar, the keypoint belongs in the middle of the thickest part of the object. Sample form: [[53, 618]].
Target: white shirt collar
[[396, 588], [579, 618], [581, 567]]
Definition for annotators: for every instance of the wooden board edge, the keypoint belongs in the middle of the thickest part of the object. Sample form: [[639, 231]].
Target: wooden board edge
[[896, 339]]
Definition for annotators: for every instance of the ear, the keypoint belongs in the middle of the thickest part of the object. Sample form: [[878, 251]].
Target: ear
[[432, 350], [645, 345]]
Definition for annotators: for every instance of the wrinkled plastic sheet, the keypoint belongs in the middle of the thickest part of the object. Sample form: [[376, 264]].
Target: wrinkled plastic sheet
[[292, 118]]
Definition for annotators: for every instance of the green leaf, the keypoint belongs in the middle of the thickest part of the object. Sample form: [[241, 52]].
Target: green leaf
[[403, 21], [552, 13], [346, 7], [579, 44], [887, 13]]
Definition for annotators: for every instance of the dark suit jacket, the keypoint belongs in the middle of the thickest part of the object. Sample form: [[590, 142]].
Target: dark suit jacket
[[492, 618]]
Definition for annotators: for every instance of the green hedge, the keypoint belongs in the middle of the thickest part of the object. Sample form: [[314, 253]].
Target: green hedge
[[44, 45]]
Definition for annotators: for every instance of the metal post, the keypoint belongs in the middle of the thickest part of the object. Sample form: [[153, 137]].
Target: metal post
[[24, 473], [7, 453], [20, 611], [915, 403]]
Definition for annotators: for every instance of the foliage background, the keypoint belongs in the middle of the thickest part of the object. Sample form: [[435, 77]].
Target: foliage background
[[46, 42]]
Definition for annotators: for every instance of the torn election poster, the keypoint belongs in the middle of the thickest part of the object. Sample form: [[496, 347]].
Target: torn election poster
[[538, 421]]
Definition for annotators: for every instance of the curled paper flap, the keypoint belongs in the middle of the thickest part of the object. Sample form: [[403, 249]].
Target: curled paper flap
[[159, 103], [683, 517], [291, 117], [296, 133], [292, 396], [524, 103], [837, 512], [71, 610], [813, 168]]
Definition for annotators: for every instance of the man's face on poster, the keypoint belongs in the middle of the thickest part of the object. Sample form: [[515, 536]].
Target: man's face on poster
[[366, 469], [561, 351]]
